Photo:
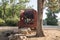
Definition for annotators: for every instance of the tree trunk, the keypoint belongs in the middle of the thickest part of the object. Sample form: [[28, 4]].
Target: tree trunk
[[4, 6], [13, 11], [39, 32]]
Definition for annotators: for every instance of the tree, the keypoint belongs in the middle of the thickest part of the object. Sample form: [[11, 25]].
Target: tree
[[53, 5], [18, 6], [51, 18], [13, 8], [4, 3], [0, 11], [10, 10], [39, 31], [53, 8]]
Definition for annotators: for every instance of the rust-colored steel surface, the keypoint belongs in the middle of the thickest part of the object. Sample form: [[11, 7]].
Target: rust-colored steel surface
[[28, 18]]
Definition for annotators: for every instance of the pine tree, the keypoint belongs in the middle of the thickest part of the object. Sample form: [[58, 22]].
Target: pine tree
[[51, 18]]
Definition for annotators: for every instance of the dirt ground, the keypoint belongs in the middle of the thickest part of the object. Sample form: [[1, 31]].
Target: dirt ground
[[50, 34]]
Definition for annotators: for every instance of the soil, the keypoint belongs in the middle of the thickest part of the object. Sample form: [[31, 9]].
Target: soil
[[50, 34]]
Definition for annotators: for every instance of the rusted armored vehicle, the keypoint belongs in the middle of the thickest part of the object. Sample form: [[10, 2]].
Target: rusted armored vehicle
[[28, 18]]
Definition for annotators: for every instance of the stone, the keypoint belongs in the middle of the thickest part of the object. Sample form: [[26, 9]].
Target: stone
[[17, 37], [25, 30]]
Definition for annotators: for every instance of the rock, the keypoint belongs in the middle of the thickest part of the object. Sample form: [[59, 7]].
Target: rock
[[7, 33], [25, 30], [17, 37]]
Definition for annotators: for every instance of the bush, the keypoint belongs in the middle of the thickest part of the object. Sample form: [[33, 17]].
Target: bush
[[2, 22], [52, 21], [51, 18], [12, 21]]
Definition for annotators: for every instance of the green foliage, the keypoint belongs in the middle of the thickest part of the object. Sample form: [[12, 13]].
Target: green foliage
[[51, 18], [23, 1], [0, 12], [51, 21], [12, 21], [2, 22], [11, 1], [10, 12], [53, 5]]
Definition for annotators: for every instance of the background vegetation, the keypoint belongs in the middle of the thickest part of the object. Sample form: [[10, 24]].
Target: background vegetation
[[53, 9], [10, 11]]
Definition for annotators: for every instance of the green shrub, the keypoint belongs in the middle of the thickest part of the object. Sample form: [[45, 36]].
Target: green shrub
[[51, 21], [12, 21], [2, 22], [51, 18]]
